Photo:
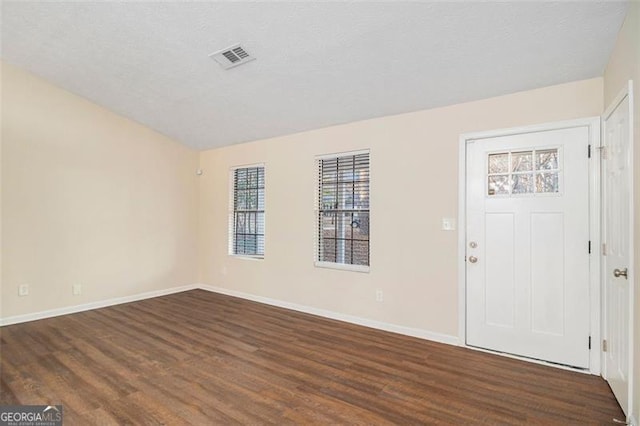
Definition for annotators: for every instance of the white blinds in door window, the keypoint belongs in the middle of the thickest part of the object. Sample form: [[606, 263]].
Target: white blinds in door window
[[343, 209], [246, 221]]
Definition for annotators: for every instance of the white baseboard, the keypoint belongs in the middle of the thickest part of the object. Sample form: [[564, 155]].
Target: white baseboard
[[633, 421], [407, 331], [93, 305]]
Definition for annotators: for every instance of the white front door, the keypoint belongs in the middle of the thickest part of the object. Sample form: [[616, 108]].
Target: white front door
[[527, 245], [618, 238]]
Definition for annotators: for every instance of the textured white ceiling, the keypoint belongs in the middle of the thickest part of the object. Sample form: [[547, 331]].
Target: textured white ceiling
[[318, 63]]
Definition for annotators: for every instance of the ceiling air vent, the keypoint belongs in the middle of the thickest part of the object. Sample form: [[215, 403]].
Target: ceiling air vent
[[231, 56]]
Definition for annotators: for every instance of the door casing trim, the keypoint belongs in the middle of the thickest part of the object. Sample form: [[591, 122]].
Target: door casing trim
[[593, 124]]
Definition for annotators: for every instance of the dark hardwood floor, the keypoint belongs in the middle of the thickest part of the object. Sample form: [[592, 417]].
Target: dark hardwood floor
[[203, 358]]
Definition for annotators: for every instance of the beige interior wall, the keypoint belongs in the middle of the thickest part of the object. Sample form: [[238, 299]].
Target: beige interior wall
[[624, 65], [414, 184], [89, 198]]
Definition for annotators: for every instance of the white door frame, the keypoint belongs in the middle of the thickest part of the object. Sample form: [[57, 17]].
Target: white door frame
[[593, 123]]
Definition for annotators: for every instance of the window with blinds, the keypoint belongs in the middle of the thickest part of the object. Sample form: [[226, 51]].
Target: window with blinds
[[246, 220], [343, 209]]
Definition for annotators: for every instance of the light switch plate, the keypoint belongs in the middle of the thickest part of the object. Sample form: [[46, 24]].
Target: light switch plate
[[448, 224]]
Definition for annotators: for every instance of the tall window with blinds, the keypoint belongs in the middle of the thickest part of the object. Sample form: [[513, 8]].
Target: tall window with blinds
[[246, 220], [343, 209]]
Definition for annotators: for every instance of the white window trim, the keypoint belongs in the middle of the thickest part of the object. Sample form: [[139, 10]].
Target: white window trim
[[344, 154], [230, 222], [334, 265], [342, 266]]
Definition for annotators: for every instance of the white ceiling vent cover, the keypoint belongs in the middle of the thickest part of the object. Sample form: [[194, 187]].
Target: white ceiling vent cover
[[232, 56]]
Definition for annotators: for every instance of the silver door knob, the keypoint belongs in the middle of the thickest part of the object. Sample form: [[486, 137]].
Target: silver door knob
[[473, 259], [620, 273]]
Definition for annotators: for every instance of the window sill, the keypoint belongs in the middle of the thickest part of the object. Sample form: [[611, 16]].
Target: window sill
[[342, 266], [246, 257]]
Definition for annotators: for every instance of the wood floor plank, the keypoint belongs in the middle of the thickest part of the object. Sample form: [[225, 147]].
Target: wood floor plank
[[203, 358]]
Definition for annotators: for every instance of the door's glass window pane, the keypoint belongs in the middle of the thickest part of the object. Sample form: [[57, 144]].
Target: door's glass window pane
[[524, 172], [499, 185], [522, 184], [522, 161], [499, 163], [547, 182], [547, 159]]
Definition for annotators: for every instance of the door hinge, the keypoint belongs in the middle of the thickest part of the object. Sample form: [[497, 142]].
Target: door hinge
[[603, 152], [589, 151], [589, 246], [604, 249], [604, 346], [589, 342]]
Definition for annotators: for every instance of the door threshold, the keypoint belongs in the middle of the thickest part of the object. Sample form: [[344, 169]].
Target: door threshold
[[531, 360]]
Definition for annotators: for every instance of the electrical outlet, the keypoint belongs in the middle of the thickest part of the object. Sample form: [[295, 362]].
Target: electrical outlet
[[379, 296], [23, 290], [77, 289]]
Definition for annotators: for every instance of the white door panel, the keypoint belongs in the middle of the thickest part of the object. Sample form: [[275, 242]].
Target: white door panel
[[617, 180], [547, 287], [528, 290]]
